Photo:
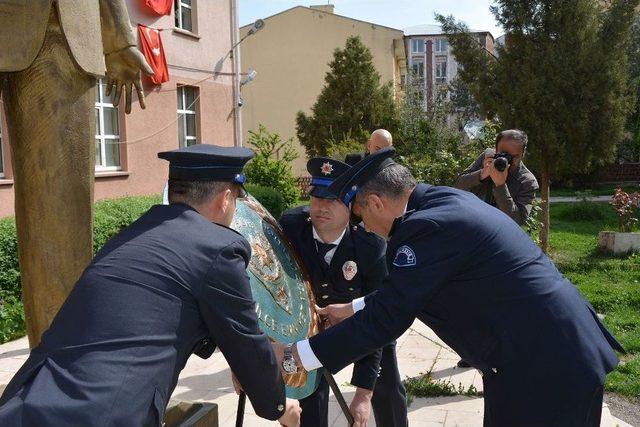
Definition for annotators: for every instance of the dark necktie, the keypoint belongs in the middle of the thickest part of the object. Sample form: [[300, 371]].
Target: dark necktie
[[324, 248]]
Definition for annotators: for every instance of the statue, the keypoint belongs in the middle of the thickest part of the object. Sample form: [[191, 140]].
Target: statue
[[51, 53]]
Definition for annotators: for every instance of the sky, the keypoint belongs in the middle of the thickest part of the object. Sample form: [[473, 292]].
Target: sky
[[392, 13]]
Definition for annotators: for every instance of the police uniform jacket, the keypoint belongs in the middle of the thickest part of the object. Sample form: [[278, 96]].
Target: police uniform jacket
[[475, 278], [169, 285], [329, 283]]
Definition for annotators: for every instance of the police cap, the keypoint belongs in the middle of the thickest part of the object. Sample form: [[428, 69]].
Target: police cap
[[346, 186], [206, 162], [324, 171]]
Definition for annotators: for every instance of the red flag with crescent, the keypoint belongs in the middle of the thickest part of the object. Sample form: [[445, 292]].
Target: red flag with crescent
[[154, 53], [161, 7]]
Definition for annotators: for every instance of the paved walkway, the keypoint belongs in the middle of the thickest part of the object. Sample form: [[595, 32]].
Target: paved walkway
[[418, 350], [570, 199]]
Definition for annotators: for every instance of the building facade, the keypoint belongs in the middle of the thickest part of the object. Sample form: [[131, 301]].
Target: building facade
[[430, 59], [291, 56], [196, 105]]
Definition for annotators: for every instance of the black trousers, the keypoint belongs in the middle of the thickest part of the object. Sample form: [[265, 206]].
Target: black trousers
[[389, 397], [518, 401]]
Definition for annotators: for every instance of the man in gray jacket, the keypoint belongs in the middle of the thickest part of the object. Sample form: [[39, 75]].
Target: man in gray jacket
[[512, 190]]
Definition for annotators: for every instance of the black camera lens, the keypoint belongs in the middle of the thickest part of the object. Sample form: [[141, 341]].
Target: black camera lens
[[500, 163]]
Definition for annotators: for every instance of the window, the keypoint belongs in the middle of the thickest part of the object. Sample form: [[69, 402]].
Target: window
[[441, 70], [441, 45], [107, 131], [417, 46], [187, 98], [417, 68], [184, 14]]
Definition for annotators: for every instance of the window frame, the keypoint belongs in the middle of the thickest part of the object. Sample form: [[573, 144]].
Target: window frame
[[421, 43], [102, 138], [182, 114], [438, 64], [439, 44], [414, 62], [178, 6]]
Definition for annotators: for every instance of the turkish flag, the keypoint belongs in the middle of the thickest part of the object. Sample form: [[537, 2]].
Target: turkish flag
[[161, 7], [154, 53]]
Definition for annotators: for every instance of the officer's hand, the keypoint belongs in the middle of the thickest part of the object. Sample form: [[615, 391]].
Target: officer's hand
[[334, 313], [486, 165], [360, 407], [236, 384], [498, 178], [291, 417]]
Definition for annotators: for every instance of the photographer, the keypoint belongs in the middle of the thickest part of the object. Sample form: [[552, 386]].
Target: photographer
[[501, 179]]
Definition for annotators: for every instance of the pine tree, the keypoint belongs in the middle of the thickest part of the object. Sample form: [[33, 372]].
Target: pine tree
[[352, 103], [562, 77]]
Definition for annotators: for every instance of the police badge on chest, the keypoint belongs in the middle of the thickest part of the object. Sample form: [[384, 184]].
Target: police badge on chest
[[349, 269]]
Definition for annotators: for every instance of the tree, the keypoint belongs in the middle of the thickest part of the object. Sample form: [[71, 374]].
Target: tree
[[271, 166], [562, 77], [630, 149], [426, 144], [464, 105], [351, 104]]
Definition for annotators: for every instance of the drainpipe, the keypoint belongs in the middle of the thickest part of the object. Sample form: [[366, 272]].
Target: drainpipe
[[235, 36]]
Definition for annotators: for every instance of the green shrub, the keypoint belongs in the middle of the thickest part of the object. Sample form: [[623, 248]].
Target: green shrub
[[9, 268], [272, 165], [12, 324], [270, 199], [110, 217]]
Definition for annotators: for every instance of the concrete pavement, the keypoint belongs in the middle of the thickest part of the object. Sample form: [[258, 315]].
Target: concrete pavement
[[419, 350]]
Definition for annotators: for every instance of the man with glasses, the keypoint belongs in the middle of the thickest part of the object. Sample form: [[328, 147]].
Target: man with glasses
[[511, 190], [171, 284]]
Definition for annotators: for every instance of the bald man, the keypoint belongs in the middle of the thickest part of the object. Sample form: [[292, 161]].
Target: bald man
[[379, 139]]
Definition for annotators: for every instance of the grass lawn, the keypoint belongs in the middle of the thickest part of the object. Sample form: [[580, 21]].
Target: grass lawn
[[611, 284]]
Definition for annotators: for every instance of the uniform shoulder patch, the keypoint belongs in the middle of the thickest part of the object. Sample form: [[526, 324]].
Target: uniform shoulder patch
[[405, 257]]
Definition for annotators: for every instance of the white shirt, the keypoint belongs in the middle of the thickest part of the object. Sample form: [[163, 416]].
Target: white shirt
[[329, 256], [307, 356]]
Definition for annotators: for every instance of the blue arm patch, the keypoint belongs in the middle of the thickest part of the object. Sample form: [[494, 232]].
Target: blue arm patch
[[405, 257]]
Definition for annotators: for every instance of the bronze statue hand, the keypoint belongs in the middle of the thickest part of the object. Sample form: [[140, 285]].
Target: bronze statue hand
[[123, 69]]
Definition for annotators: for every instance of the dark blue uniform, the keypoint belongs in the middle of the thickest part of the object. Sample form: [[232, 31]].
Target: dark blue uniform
[[330, 286], [474, 277], [171, 284]]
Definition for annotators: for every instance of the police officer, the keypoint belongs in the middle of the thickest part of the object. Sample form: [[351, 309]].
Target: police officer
[[473, 276], [171, 284], [344, 263]]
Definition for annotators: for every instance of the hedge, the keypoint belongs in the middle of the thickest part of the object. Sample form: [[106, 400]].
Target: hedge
[[270, 198], [109, 218]]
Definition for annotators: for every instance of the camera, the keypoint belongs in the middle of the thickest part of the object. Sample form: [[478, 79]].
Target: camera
[[502, 161]]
